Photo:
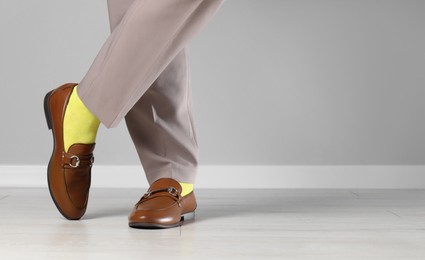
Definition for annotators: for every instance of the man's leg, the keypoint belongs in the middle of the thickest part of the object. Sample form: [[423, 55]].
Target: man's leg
[[161, 126], [148, 38]]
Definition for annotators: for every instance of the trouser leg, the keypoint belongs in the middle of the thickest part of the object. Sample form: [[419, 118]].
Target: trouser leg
[[161, 126], [149, 36], [161, 122]]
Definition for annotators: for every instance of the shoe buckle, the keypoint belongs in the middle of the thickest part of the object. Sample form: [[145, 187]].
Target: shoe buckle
[[147, 194], [77, 161], [172, 191], [91, 161]]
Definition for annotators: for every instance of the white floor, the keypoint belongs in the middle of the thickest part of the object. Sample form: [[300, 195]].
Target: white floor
[[230, 224]]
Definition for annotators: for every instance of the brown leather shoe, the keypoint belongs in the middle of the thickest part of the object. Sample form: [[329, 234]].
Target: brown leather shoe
[[68, 173], [163, 206]]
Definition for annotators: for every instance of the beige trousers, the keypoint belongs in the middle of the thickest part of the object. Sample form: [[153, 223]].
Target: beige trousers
[[141, 74]]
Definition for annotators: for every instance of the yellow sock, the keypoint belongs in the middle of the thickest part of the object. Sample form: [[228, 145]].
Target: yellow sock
[[79, 124], [186, 188]]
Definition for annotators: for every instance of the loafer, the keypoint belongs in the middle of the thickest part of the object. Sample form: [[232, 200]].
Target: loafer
[[68, 173], [162, 206]]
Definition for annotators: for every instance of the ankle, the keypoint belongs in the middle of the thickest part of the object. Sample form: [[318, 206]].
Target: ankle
[[186, 188], [80, 125]]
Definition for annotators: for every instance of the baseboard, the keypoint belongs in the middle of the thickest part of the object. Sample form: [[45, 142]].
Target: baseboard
[[242, 176]]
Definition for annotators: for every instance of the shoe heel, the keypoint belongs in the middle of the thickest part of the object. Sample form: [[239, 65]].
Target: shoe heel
[[47, 110], [188, 216]]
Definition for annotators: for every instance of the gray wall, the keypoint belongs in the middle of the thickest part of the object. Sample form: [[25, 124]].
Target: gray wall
[[275, 82]]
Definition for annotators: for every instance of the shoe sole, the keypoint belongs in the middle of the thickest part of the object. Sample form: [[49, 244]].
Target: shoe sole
[[49, 125], [185, 217]]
